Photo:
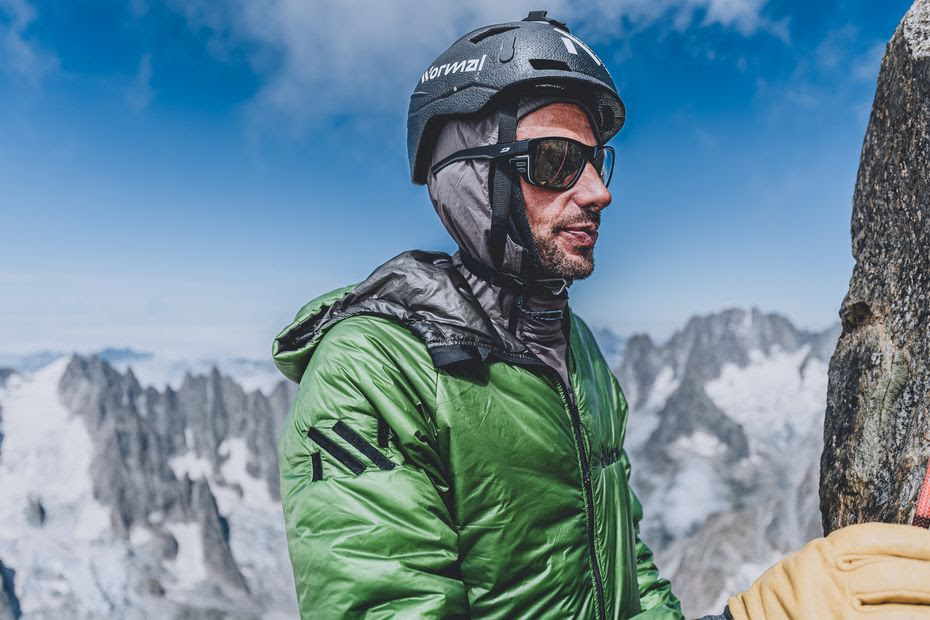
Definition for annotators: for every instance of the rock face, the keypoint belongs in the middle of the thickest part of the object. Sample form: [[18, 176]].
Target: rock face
[[877, 427]]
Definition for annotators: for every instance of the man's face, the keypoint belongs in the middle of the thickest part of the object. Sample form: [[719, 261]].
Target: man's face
[[564, 223]]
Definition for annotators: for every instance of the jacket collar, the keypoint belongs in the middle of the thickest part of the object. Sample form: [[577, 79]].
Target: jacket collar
[[424, 292]]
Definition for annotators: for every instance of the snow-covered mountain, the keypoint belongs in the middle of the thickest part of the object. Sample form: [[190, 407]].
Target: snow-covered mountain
[[124, 501], [161, 370], [725, 435], [138, 486]]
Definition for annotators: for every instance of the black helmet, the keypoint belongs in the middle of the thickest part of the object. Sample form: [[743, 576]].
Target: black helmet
[[538, 53]]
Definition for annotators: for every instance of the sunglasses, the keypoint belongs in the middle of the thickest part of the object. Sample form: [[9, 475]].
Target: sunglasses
[[554, 163]]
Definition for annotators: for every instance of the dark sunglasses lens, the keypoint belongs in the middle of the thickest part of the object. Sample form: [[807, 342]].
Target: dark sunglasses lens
[[557, 163]]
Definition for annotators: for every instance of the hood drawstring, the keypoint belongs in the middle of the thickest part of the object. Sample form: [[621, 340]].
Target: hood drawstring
[[542, 315]]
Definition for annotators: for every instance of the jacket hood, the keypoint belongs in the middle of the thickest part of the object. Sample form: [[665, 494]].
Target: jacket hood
[[424, 292], [460, 192]]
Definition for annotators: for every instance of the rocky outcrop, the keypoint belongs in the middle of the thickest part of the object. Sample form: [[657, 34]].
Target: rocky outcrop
[[215, 539], [725, 436], [9, 604], [706, 343], [132, 502], [689, 411], [697, 354], [130, 468], [214, 407], [877, 430]]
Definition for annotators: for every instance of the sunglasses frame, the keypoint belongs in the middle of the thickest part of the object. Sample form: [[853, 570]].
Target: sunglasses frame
[[518, 154]]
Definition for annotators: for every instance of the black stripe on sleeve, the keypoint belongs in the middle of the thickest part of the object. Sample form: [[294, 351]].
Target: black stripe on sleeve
[[317, 463], [383, 433], [335, 451], [359, 443]]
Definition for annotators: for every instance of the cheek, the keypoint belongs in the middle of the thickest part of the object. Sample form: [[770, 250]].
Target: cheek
[[541, 210]]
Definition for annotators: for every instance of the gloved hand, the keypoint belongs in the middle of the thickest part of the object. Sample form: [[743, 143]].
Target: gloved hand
[[867, 571]]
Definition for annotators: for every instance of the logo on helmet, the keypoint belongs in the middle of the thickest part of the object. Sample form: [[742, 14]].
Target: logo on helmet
[[462, 66]]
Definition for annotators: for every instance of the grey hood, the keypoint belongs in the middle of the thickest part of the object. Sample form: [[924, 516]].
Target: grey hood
[[460, 195], [461, 191]]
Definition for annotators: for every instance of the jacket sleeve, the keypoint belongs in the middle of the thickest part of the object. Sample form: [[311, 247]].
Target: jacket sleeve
[[368, 532]]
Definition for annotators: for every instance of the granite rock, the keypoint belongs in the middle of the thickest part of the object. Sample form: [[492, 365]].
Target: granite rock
[[877, 427]]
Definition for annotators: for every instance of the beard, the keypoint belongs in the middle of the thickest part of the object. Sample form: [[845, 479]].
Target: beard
[[575, 265]]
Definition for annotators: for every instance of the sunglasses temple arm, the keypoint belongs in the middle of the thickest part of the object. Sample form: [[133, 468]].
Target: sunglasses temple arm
[[492, 151], [456, 158]]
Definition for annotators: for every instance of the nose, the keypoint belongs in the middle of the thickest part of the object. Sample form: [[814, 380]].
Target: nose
[[591, 193]]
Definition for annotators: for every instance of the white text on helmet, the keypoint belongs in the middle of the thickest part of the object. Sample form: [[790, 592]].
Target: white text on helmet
[[462, 66]]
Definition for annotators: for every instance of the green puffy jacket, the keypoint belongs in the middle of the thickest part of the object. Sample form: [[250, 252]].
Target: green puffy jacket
[[430, 468]]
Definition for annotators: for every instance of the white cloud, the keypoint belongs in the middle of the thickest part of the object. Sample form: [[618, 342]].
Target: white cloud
[[743, 15], [606, 18], [17, 53], [321, 58], [325, 57]]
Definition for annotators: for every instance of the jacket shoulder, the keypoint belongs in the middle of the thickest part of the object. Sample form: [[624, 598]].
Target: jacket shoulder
[[370, 342], [362, 360], [420, 290]]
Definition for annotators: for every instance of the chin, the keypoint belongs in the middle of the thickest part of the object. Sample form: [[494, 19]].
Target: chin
[[577, 263], [565, 261], [571, 265], [583, 268]]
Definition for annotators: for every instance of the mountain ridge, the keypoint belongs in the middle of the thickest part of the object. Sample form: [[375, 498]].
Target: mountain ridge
[[181, 481]]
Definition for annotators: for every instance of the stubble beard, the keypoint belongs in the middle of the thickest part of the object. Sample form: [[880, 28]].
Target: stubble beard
[[560, 263]]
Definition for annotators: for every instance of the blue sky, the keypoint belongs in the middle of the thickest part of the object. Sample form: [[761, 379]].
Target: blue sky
[[183, 175]]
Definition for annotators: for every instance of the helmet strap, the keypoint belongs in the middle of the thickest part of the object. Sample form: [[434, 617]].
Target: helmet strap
[[531, 266], [520, 230], [502, 179], [507, 201]]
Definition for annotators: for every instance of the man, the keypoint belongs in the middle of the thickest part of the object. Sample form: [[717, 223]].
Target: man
[[455, 448]]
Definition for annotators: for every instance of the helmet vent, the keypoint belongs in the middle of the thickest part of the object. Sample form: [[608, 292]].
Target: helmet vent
[[490, 32], [545, 64], [607, 118]]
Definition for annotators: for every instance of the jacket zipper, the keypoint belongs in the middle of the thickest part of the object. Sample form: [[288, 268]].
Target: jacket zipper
[[588, 495], [585, 472]]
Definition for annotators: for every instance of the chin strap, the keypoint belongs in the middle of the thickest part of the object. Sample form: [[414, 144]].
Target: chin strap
[[502, 179]]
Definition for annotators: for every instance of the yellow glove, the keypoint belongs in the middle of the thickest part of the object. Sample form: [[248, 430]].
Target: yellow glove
[[874, 571]]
